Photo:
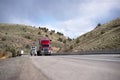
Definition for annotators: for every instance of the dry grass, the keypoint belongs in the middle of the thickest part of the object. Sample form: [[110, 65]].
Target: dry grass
[[16, 37], [106, 36]]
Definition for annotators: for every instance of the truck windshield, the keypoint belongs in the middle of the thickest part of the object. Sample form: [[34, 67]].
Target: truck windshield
[[45, 45]]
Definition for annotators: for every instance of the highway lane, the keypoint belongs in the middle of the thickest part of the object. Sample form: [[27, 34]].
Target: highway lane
[[69, 67], [102, 57], [20, 68], [85, 67]]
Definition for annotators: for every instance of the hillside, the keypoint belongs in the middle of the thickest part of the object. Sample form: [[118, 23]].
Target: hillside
[[103, 37], [14, 37]]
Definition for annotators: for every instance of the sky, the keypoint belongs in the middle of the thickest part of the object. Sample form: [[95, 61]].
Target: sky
[[71, 17]]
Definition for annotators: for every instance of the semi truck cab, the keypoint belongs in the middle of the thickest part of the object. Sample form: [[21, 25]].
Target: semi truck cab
[[44, 47]]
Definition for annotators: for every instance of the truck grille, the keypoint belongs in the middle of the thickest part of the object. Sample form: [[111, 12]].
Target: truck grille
[[45, 50]]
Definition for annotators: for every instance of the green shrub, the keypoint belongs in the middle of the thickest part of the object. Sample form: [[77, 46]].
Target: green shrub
[[3, 39], [39, 33], [6, 33], [59, 33], [102, 32], [28, 37], [27, 46], [46, 35], [50, 33], [14, 54], [77, 41], [71, 47], [98, 24], [46, 30], [60, 39], [7, 48], [64, 41], [24, 29]]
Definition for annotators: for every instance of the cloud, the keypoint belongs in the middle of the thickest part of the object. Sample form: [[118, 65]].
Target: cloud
[[91, 14], [72, 17]]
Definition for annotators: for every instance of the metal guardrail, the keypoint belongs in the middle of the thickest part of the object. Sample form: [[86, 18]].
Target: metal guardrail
[[113, 51]]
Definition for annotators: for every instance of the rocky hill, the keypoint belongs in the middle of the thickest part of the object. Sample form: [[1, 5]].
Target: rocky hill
[[14, 37], [103, 37]]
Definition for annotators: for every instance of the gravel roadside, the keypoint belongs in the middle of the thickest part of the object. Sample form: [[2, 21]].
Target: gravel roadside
[[20, 68]]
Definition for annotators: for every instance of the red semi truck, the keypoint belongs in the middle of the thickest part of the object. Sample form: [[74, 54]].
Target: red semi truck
[[44, 47]]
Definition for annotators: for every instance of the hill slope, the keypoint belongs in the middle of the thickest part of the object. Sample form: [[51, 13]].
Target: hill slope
[[106, 36], [14, 37]]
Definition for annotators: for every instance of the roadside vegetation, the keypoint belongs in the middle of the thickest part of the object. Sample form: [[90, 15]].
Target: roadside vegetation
[[103, 37], [14, 37]]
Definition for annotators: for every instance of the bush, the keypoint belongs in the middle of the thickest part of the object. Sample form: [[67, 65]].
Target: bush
[[44, 29], [69, 39], [12, 50], [77, 41], [39, 33], [3, 39], [59, 33], [46, 35], [64, 41], [27, 46], [60, 39], [71, 47], [28, 37], [102, 32], [24, 29], [6, 33], [14, 54], [7, 48], [51, 33], [98, 24]]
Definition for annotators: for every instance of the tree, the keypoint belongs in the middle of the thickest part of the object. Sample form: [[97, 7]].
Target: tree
[[59, 33], [99, 24], [53, 31], [69, 39]]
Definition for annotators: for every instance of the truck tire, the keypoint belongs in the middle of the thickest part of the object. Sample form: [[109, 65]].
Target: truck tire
[[38, 53]]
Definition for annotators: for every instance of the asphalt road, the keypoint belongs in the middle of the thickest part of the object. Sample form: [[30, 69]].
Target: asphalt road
[[70, 67], [20, 68]]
